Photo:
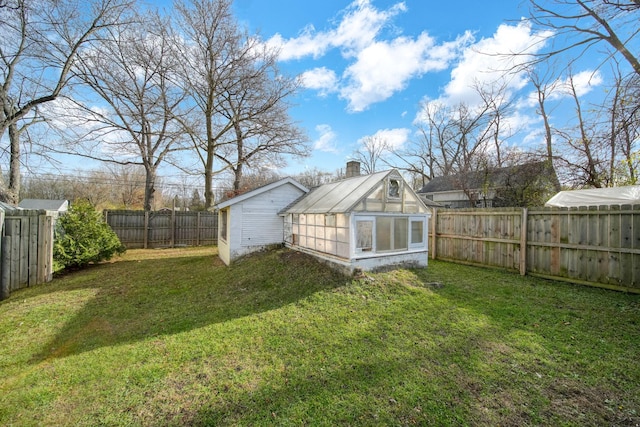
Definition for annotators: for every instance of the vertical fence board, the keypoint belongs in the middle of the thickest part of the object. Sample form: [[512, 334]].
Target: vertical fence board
[[33, 251], [25, 233], [12, 229], [45, 248], [5, 266]]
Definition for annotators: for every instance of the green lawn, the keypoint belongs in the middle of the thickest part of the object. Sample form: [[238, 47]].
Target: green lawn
[[173, 337]]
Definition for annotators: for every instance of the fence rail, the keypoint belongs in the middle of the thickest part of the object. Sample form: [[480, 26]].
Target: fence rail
[[597, 245], [162, 229], [26, 249]]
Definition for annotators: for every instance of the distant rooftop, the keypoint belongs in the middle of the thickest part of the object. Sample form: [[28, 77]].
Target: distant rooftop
[[48, 205]]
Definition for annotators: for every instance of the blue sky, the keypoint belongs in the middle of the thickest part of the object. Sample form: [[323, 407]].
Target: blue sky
[[367, 64]]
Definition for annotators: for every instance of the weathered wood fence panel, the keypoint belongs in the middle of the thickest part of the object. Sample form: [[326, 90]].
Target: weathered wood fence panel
[[488, 238], [161, 229], [26, 249], [598, 246]]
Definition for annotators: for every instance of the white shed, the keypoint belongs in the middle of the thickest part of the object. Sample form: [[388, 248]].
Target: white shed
[[250, 222]]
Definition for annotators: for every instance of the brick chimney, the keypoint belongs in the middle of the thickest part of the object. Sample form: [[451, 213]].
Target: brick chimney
[[353, 169]]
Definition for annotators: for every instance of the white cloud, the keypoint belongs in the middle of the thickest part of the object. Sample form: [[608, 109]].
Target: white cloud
[[321, 79], [393, 138], [377, 68], [384, 68], [485, 63], [306, 44], [583, 82], [359, 26], [327, 140]]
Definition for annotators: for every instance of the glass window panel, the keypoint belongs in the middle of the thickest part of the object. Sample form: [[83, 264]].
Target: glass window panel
[[377, 195], [400, 234], [383, 233], [364, 235], [394, 188], [330, 220], [417, 228], [223, 224]]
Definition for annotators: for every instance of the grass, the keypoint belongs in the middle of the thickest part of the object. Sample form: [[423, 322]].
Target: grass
[[173, 337]]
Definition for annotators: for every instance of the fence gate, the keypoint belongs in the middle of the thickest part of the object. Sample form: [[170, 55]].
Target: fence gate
[[26, 249]]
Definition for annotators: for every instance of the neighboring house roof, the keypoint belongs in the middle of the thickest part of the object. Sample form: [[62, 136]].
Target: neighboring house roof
[[261, 190], [430, 203], [7, 207], [340, 196], [493, 178], [48, 205], [627, 195]]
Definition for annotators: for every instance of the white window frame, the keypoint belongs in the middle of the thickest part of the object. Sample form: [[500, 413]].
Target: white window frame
[[224, 224], [374, 250], [423, 243], [371, 219]]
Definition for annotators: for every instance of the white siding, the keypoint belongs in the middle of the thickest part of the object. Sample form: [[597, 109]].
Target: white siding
[[261, 224], [224, 251]]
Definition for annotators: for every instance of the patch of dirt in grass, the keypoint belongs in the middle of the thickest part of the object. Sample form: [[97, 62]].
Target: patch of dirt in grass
[[570, 400], [293, 256], [502, 408]]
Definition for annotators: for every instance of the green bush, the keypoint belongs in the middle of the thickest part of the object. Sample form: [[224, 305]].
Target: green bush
[[82, 237]]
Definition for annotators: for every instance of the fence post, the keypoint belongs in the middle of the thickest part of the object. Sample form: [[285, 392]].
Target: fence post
[[172, 241], [146, 229], [5, 266], [434, 219], [523, 243], [198, 229]]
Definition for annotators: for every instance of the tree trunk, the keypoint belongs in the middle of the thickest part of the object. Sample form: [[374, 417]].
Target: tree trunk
[[548, 137], [208, 167], [13, 190], [239, 166], [149, 188]]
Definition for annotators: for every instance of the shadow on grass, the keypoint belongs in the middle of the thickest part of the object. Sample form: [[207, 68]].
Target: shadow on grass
[[485, 348], [137, 300]]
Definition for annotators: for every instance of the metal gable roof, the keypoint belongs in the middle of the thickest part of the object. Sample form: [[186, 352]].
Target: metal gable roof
[[340, 196]]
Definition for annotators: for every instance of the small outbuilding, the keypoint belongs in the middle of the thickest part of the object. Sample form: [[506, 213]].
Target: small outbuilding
[[365, 222], [251, 222], [55, 207], [626, 195]]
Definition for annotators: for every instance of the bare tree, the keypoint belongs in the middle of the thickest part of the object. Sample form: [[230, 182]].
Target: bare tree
[[315, 177], [371, 152], [253, 100], [141, 115], [41, 40], [624, 129], [209, 55], [544, 85], [579, 25], [126, 183], [581, 152], [438, 145]]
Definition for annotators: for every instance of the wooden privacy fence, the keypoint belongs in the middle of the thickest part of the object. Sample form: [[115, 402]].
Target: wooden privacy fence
[[599, 246], [163, 229], [26, 249]]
